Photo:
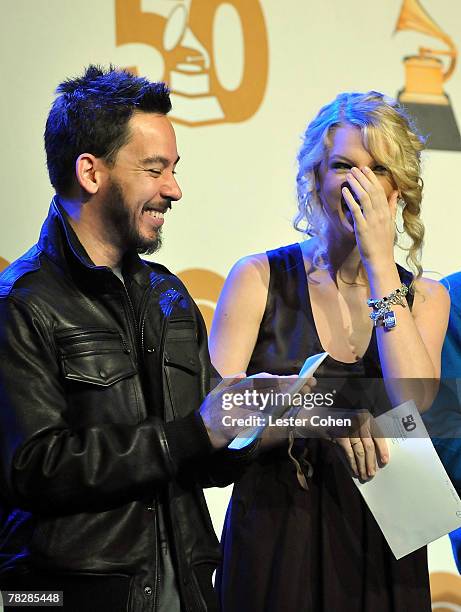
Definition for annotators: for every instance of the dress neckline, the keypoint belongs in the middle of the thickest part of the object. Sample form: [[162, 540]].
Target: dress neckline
[[308, 310]]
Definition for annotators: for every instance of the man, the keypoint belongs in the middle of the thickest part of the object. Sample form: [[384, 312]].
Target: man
[[103, 367]]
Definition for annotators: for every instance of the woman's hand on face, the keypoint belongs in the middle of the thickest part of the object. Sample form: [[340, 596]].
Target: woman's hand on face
[[374, 218]]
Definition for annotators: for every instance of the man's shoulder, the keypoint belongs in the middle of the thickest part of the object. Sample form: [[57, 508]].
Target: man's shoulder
[[17, 271], [172, 290], [156, 267], [162, 272]]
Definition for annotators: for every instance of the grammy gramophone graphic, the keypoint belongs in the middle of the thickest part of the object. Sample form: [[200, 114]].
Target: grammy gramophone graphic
[[197, 61], [425, 74]]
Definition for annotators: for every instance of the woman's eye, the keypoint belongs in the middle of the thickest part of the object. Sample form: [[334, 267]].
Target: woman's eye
[[341, 166], [380, 169]]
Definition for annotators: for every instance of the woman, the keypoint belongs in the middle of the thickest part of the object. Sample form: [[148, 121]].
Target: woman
[[320, 550]]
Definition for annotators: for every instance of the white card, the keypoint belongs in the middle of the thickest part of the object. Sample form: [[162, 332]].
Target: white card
[[246, 436], [412, 497]]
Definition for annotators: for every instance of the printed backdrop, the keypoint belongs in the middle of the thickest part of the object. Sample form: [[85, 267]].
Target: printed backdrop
[[246, 77]]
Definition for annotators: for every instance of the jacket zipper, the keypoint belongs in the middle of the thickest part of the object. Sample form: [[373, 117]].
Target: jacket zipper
[[133, 333], [156, 560], [158, 280], [163, 332], [139, 334], [142, 317], [133, 327]]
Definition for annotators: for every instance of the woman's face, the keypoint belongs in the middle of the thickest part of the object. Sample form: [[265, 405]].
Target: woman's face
[[347, 150]]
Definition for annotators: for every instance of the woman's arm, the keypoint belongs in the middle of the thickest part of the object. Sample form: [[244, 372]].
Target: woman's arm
[[411, 350], [410, 353], [236, 323], [238, 315]]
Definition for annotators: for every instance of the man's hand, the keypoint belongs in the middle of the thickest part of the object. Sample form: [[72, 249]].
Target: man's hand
[[240, 402]]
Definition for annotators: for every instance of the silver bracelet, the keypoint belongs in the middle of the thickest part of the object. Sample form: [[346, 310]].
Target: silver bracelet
[[382, 312]]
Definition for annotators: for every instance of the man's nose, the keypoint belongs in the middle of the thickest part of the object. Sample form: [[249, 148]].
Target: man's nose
[[171, 189]]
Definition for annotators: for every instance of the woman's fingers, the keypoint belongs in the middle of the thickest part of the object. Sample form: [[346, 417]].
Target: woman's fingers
[[354, 208], [346, 446], [368, 189], [380, 442], [362, 189], [366, 449], [360, 455], [364, 457], [370, 456], [365, 454], [382, 451]]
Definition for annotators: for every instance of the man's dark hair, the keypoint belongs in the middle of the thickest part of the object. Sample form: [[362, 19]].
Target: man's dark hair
[[90, 115]]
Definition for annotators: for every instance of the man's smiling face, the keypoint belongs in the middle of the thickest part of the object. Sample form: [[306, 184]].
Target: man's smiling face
[[141, 184]]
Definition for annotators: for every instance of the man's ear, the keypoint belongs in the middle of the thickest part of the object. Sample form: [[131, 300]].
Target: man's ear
[[88, 172]]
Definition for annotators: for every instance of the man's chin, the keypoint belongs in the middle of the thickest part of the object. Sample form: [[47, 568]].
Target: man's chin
[[149, 247]]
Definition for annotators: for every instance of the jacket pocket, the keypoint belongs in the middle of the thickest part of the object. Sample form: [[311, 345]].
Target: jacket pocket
[[182, 353], [181, 369], [95, 356]]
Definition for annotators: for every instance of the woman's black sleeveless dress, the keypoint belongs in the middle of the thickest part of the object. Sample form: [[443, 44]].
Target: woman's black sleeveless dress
[[290, 550]]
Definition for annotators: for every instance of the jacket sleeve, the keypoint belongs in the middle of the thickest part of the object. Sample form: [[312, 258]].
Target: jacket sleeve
[[47, 466]]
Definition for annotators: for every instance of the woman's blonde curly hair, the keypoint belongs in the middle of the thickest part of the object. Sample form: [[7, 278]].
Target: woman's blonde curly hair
[[390, 137]]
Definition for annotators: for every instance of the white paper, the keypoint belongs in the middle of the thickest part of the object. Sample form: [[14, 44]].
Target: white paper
[[412, 497], [246, 436]]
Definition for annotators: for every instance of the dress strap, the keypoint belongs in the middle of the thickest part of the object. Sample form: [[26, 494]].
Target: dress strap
[[406, 277]]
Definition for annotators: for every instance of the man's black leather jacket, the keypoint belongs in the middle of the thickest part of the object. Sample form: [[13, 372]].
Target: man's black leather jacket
[[99, 382]]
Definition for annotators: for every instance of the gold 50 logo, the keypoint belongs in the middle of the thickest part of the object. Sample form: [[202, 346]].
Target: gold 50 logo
[[215, 54]]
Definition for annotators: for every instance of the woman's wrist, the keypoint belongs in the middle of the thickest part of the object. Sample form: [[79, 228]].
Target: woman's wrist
[[380, 266], [383, 279]]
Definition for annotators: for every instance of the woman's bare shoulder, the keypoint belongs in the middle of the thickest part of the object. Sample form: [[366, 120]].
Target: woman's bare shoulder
[[238, 314], [252, 272], [255, 261], [429, 288], [431, 294]]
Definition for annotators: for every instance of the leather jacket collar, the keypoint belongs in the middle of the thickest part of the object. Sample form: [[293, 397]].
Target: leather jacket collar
[[61, 244]]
